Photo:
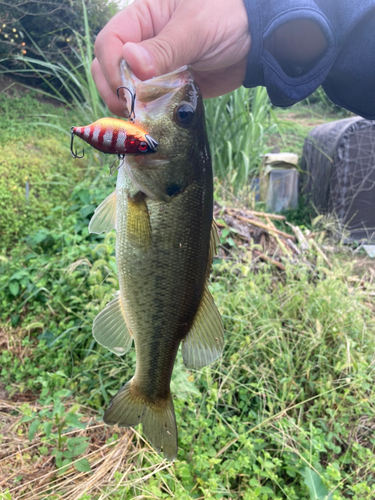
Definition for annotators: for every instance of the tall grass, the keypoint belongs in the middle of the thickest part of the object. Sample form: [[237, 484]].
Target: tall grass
[[238, 126], [238, 123], [70, 83], [290, 403]]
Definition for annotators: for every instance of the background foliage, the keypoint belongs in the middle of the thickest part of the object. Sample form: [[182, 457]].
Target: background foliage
[[50, 27], [287, 413]]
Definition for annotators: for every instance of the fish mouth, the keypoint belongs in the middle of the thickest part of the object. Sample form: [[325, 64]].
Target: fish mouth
[[152, 144]]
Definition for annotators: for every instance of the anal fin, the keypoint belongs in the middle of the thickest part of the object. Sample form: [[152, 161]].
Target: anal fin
[[104, 218], [204, 342], [109, 328]]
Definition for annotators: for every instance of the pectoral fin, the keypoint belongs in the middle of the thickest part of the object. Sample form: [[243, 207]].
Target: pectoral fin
[[104, 218], [109, 328], [138, 228], [205, 341]]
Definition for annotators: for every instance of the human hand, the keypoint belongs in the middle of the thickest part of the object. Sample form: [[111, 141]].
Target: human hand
[[158, 36]]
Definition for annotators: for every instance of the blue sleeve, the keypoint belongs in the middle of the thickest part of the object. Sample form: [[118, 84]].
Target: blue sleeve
[[346, 70]]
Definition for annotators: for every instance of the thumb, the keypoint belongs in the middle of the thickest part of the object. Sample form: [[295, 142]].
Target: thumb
[[156, 56]]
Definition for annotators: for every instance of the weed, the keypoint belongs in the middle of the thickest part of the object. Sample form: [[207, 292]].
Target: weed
[[68, 82], [286, 413], [56, 423], [237, 126]]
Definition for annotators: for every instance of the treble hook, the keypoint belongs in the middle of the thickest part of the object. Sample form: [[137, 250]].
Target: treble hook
[[112, 170], [74, 154], [132, 114]]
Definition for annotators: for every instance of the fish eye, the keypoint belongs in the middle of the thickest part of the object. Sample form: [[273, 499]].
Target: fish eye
[[143, 146], [184, 114]]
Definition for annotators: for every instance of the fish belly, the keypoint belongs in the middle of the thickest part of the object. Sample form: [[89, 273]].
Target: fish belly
[[162, 281]]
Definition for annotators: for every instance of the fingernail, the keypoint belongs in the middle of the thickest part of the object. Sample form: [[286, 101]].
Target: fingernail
[[140, 54]]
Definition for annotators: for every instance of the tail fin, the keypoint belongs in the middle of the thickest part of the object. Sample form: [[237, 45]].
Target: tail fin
[[128, 408]]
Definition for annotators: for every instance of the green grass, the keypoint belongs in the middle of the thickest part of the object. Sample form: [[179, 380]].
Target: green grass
[[68, 82], [287, 411], [238, 125], [291, 396]]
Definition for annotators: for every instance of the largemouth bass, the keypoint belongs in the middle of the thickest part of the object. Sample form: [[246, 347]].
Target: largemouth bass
[[165, 241]]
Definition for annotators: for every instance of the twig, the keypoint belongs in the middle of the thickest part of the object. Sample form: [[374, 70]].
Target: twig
[[279, 241], [300, 237], [262, 226], [268, 259], [260, 214], [321, 253], [293, 246]]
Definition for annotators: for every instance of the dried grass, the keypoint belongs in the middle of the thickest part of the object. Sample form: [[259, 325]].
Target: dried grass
[[256, 235], [29, 474]]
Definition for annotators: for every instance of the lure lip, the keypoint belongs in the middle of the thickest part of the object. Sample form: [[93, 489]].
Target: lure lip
[[152, 144]]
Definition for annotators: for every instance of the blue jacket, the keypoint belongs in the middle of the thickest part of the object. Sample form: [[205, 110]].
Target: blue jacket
[[346, 70]]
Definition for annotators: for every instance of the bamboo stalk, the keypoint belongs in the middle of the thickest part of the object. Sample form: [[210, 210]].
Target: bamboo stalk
[[281, 244], [293, 246]]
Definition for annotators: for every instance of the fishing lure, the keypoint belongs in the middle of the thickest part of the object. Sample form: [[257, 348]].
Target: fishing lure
[[114, 136]]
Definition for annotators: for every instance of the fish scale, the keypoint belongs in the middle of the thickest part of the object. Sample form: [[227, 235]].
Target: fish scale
[[173, 279]]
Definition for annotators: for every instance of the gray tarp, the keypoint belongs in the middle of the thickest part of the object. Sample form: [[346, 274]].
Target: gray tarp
[[338, 174]]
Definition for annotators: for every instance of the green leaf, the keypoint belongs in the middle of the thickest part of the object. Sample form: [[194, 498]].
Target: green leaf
[[33, 428], [77, 445], [231, 242], [58, 459], [5, 495], [14, 288], [27, 418], [47, 426], [79, 449], [315, 485], [83, 465], [73, 420]]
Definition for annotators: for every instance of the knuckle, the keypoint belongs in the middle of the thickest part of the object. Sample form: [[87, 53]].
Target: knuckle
[[166, 52]]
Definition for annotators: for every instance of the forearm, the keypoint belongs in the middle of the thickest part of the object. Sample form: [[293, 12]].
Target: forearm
[[300, 41], [298, 45]]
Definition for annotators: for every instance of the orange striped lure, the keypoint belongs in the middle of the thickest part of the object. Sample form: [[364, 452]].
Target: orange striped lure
[[115, 136]]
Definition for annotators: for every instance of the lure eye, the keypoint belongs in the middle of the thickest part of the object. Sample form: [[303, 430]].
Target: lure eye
[[184, 115], [143, 146]]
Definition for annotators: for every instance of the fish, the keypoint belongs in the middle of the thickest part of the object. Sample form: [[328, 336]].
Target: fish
[[115, 136], [162, 211]]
